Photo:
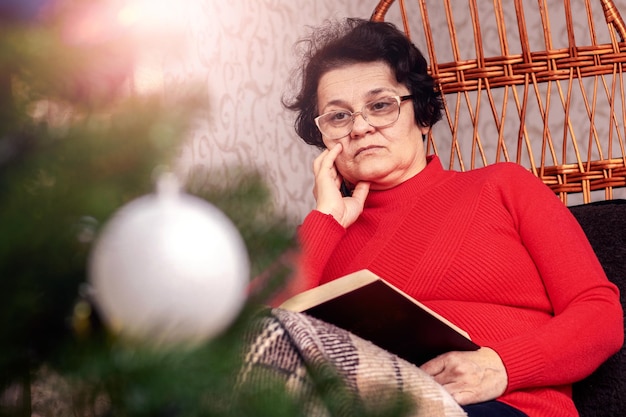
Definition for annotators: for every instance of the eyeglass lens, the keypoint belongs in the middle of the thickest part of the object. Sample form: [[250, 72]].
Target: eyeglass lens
[[378, 113]]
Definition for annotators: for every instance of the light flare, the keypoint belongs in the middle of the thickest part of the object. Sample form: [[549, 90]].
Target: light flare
[[152, 16]]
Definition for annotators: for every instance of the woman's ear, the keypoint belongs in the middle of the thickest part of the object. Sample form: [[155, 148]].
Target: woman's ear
[[424, 130]]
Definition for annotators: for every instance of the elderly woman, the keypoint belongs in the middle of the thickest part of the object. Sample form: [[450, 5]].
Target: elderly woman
[[493, 249]]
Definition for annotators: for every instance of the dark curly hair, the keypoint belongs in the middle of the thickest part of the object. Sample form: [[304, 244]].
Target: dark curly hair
[[352, 41]]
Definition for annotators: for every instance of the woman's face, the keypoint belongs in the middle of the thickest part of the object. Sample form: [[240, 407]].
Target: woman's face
[[385, 156]]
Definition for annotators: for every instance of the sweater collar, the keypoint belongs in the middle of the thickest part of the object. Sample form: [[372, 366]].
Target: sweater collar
[[432, 174]]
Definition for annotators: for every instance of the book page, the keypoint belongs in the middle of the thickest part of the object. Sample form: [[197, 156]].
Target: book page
[[314, 296]]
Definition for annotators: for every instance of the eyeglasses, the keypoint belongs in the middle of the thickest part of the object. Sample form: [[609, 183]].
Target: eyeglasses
[[381, 112]]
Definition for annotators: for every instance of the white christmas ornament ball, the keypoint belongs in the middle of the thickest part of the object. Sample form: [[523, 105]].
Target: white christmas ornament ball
[[169, 268]]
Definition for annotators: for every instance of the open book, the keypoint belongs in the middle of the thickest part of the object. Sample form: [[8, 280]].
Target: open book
[[375, 310]]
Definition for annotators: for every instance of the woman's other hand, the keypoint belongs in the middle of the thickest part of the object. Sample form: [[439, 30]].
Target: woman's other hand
[[470, 377], [327, 189]]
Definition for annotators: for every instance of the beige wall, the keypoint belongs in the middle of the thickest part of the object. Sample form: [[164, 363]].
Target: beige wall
[[241, 52]]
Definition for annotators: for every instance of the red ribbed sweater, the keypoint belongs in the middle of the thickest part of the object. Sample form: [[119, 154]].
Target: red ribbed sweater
[[498, 254]]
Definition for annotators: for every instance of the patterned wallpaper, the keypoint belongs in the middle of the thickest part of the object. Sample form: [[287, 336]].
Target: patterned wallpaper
[[241, 53]]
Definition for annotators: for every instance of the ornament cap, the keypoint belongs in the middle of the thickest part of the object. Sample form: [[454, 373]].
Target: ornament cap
[[168, 185]]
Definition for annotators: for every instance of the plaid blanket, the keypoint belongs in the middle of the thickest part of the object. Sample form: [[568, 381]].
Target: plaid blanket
[[332, 372]]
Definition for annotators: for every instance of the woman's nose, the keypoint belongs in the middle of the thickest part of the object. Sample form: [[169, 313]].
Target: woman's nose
[[360, 125]]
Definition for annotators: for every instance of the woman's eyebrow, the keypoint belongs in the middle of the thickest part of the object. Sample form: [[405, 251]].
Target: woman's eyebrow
[[336, 102], [377, 91], [370, 94]]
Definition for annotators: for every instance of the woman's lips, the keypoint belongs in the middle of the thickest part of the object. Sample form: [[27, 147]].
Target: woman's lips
[[367, 149]]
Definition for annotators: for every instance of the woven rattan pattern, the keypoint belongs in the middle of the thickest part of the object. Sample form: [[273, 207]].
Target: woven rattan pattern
[[572, 155]]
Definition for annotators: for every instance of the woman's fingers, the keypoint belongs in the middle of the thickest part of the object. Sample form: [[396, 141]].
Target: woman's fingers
[[326, 160], [327, 189], [360, 192], [470, 377]]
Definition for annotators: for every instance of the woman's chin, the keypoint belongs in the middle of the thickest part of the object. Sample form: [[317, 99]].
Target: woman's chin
[[377, 179]]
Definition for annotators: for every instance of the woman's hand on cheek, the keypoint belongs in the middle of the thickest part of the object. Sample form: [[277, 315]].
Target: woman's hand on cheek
[[326, 189]]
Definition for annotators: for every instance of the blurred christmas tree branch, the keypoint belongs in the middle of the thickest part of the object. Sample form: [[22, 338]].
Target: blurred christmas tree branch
[[76, 143]]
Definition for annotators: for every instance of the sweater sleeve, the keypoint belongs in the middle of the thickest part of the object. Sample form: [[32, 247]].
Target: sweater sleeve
[[318, 236], [587, 324]]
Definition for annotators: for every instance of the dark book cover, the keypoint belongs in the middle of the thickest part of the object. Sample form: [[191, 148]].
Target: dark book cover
[[374, 310]]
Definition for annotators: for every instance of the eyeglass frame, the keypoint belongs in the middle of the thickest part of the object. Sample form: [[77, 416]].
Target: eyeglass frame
[[399, 99]]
